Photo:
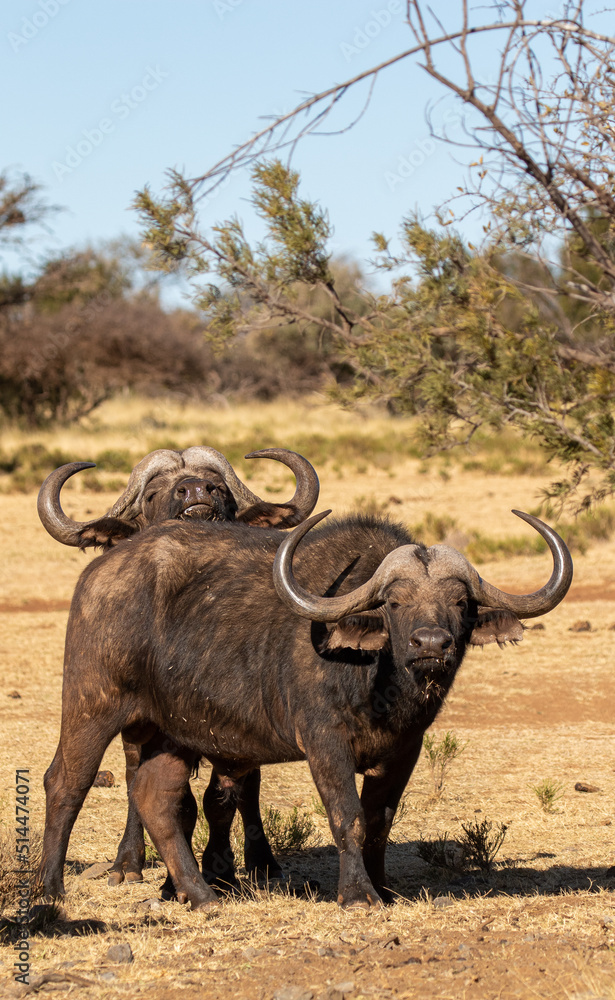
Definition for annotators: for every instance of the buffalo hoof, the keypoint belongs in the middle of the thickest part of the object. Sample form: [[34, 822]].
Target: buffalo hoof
[[360, 901], [199, 898], [183, 899], [209, 907], [117, 877], [48, 910]]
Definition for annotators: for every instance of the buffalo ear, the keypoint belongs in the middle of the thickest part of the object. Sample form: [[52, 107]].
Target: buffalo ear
[[496, 626], [366, 632], [269, 515], [106, 532]]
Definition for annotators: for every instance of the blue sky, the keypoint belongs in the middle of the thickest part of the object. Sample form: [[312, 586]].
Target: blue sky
[[104, 97]]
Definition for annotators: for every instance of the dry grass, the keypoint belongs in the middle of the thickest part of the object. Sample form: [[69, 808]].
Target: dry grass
[[540, 924]]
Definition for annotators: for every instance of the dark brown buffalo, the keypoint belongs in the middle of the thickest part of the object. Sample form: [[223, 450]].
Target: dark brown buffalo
[[196, 484], [205, 635]]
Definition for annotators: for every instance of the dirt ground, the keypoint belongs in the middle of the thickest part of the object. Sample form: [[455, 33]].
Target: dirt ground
[[541, 924]]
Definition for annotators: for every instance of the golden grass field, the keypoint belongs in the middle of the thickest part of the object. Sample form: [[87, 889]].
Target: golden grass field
[[541, 924]]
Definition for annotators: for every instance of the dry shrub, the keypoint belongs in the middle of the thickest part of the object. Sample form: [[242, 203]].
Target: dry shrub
[[481, 842], [60, 366], [265, 366], [290, 831]]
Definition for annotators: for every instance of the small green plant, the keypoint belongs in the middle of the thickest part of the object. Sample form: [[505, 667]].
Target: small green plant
[[481, 842], [151, 854], [548, 793], [318, 806], [288, 832], [440, 755]]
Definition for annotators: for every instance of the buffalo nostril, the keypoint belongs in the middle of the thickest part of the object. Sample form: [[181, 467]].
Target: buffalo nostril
[[431, 641]]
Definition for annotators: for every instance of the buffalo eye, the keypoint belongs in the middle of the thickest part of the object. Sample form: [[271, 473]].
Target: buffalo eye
[[462, 604], [394, 605], [150, 498]]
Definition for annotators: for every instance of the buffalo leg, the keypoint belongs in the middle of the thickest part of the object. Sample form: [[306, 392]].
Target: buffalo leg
[[67, 782], [220, 805], [224, 795], [130, 856], [158, 792], [258, 856], [188, 813], [333, 774], [380, 797]]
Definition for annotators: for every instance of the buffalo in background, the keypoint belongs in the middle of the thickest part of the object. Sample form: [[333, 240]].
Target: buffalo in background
[[210, 640], [198, 484]]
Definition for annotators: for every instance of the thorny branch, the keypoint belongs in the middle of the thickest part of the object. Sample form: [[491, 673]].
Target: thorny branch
[[520, 331]]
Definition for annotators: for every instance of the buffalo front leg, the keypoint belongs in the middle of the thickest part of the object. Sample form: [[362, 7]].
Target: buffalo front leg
[[333, 773], [258, 856], [67, 782], [130, 856], [158, 792], [380, 795]]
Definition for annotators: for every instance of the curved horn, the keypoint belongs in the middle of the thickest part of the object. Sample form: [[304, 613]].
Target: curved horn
[[330, 609], [59, 526], [543, 600], [308, 486]]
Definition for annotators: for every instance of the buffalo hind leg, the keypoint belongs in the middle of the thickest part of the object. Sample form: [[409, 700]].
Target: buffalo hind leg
[[158, 792], [258, 856], [224, 795], [68, 780], [130, 856], [188, 814], [380, 797], [219, 806], [333, 774]]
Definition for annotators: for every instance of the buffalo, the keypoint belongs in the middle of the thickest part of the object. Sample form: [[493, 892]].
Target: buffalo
[[196, 484], [210, 640]]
